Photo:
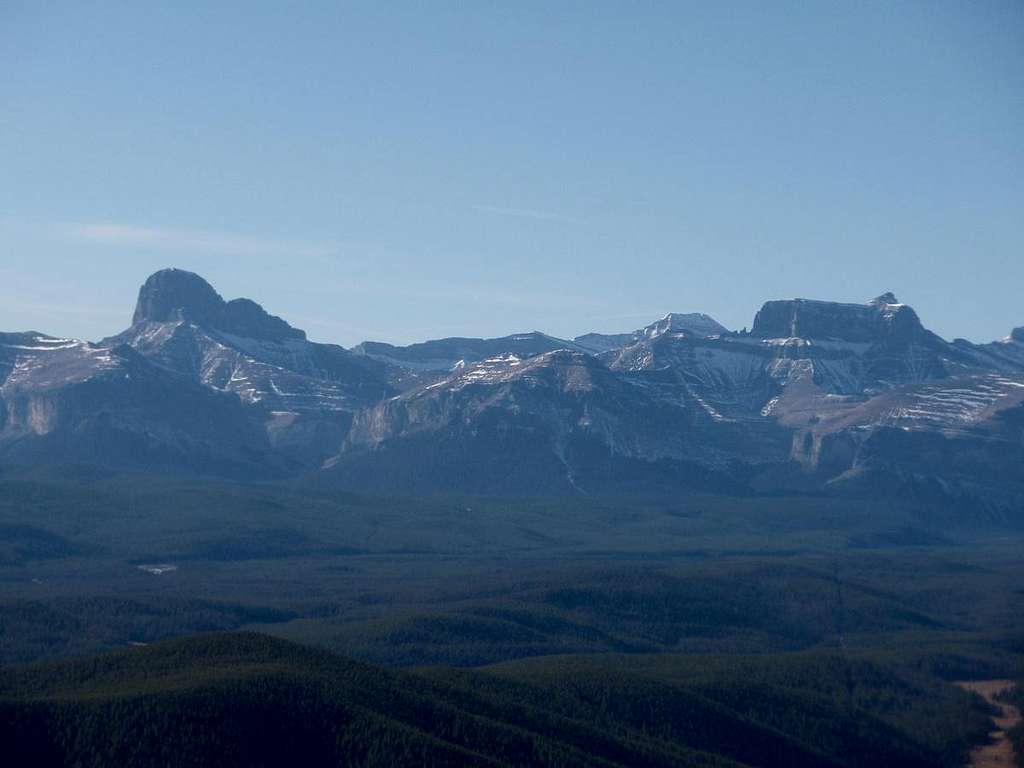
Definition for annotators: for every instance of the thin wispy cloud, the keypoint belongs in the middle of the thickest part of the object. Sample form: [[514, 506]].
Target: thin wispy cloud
[[196, 241], [524, 213]]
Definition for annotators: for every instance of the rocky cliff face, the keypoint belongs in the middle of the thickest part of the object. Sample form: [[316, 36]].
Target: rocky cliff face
[[799, 349], [65, 401], [694, 325], [302, 393], [173, 295], [881, 319], [559, 422], [445, 355], [818, 395]]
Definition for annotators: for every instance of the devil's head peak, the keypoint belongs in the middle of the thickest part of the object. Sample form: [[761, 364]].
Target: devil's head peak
[[172, 294], [176, 294]]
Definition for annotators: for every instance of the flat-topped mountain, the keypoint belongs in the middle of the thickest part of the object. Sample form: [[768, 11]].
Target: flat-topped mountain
[[817, 394], [880, 318]]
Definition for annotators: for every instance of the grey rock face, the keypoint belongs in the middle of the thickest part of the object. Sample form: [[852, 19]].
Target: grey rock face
[[820, 394], [286, 376], [174, 294], [597, 343], [302, 394], [66, 401], [693, 324], [556, 422], [879, 319], [445, 354]]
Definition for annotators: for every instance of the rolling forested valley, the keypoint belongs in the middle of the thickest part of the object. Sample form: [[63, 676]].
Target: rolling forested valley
[[148, 620]]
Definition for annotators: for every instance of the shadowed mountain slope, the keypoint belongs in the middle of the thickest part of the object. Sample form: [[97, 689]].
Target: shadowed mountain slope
[[817, 396], [249, 700]]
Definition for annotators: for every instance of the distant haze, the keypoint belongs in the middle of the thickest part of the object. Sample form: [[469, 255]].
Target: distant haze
[[424, 170]]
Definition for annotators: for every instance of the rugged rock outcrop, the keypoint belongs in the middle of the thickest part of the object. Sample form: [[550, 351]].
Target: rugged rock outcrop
[[173, 295], [556, 422], [880, 319], [69, 402], [817, 396], [303, 393]]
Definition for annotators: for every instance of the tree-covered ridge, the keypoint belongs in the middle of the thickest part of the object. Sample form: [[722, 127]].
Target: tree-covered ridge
[[246, 699], [702, 630]]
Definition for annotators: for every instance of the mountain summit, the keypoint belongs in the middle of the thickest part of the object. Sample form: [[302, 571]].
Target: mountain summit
[[819, 394], [880, 318], [175, 294], [693, 323]]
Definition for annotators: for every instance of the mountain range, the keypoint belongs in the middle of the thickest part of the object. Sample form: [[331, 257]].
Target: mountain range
[[817, 397]]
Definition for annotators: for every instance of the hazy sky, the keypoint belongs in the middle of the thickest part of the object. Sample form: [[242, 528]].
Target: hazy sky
[[399, 171]]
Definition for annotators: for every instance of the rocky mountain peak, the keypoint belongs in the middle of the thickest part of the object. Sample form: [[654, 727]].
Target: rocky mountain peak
[[175, 294], [692, 323], [824, 384], [881, 318], [244, 317], [886, 298]]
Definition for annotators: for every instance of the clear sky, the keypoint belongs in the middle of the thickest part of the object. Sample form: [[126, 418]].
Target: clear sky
[[407, 170]]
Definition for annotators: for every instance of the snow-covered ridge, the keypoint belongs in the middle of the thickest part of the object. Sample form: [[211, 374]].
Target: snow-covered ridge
[[693, 324], [41, 343], [683, 387], [36, 361], [277, 374], [443, 355], [508, 367], [955, 404]]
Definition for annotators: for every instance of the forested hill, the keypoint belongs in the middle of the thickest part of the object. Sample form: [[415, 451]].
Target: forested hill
[[249, 700]]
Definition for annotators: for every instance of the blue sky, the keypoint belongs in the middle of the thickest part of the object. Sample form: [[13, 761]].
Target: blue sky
[[401, 171]]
